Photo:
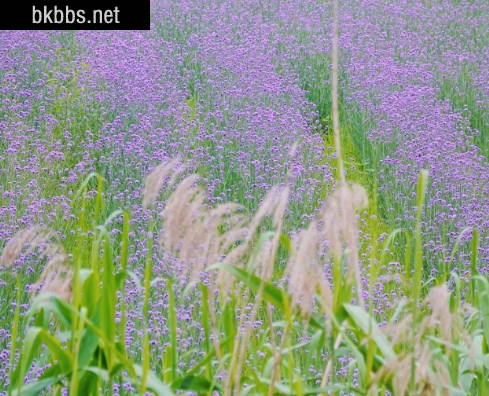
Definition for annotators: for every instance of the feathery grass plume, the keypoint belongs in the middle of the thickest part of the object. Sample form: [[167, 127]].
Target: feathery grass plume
[[180, 211], [263, 267], [57, 275], [244, 230], [32, 237], [303, 272], [155, 180], [202, 241], [196, 232], [449, 324], [340, 227], [438, 301], [200, 235], [431, 375], [266, 207], [278, 214], [396, 370], [277, 222], [399, 331], [56, 278], [239, 239], [442, 377], [261, 264]]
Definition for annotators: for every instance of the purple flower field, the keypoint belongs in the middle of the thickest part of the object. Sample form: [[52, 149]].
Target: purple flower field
[[240, 93]]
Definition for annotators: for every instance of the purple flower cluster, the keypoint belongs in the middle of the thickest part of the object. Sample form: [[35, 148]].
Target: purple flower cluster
[[396, 56], [242, 123], [120, 103]]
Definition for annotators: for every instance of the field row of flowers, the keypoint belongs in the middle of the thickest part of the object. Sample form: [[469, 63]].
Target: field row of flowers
[[411, 73]]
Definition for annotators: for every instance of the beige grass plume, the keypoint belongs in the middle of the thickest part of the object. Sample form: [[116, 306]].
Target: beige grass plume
[[32, 237], [341, 228], [431, 374], [303, 272], [56, 278], [154, 181], [57, 274]]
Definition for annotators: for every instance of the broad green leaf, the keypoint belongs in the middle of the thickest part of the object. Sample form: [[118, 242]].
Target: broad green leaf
[[108, 298], [119, 279], [483, 303], [88, 383], [99, 372], [51, 372], [51, 303], [108, 344], [284, 389], [194, 383], [285, 241], [32, 343], [116, 369], [35, 337], [229, 321], [245, 391], [153, 383], [484, 359], [359, 357], [62, 356], [368, 325], [88, 345], [83, 275], [90, 285], [35, 388]]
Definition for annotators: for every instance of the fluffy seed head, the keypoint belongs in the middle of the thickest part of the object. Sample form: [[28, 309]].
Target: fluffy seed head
[[155, 180], [32, 237]]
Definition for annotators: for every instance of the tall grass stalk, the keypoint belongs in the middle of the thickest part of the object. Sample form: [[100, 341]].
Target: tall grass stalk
[[334, 94], [147, 289], [13, 344], [418, 264], [77, 324], [336, 128]]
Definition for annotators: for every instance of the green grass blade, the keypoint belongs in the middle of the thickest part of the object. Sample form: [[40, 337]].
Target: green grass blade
[[194, 383], [35, 388], [173, 329], [370, 328]]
